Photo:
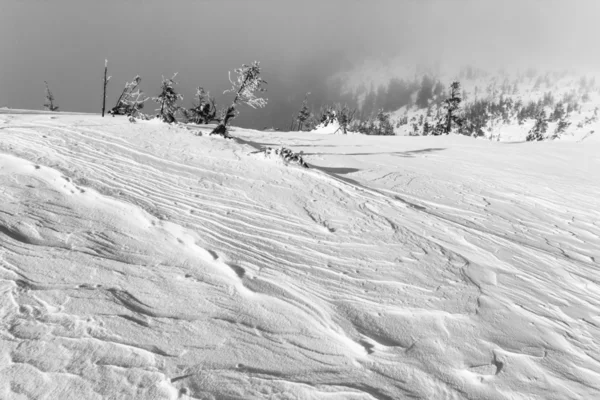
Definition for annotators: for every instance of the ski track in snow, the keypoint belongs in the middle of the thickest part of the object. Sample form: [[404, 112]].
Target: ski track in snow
[[141, 261]]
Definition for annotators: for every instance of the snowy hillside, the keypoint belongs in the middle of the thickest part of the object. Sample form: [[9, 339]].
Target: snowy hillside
[[140, 261], [503, 104]]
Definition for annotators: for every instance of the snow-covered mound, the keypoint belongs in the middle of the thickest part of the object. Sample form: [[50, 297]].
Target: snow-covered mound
[[328, 127], [141, 261]]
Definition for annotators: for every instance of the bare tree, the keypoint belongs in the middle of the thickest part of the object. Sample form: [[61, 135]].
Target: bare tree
[[106, 79]]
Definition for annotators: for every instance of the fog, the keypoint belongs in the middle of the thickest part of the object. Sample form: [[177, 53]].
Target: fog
[[300, 44]]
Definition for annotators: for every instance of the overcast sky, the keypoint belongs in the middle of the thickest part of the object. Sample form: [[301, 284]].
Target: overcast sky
[[299, 43]]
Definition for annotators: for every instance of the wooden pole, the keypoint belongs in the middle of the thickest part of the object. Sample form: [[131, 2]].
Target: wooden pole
[[105, 82]]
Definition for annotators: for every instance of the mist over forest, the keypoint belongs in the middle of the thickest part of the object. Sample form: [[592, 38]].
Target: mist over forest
[[302, 46]]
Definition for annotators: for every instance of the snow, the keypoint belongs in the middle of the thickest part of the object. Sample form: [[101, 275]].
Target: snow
[[141, 261], [328, 128], [332, 127]]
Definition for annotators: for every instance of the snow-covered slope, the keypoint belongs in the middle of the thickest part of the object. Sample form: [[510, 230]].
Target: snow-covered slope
[[578, 92], [139, 261]]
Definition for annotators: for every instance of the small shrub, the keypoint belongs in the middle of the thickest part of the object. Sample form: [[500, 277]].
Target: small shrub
[[287, 155], [204, 110], [49, 103]]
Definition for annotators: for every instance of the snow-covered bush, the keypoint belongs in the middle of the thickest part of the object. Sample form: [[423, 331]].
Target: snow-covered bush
[[131, 100], [247, 83], [49, 103], [204, 110], [167, 99], [287, 155]]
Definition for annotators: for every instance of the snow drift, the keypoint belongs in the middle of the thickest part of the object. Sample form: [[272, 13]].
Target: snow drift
[[140, 261]]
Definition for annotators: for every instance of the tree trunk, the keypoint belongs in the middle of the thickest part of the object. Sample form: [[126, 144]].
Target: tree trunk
[[104, 91]]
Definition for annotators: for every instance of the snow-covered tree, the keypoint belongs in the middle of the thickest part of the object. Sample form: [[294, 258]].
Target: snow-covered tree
[[49, 103], [167, 99], [247, 83], [345, 116], [382, 125], [204, 110], [131, 100], [304, 113], [558, 113], [451, 110], [538, 131], [561, 127], [426, 128]]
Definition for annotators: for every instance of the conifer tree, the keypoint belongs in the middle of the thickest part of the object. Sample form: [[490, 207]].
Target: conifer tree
[[426, 128], [304, 112], [452, 108], [539, 129], [384, 126], [345, 116], [561, 127], [558, 113], [167, 99], [49, 103], [248, 82]]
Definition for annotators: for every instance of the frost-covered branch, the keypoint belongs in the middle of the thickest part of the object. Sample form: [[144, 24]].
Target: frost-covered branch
[[245, 86], [131, 100]]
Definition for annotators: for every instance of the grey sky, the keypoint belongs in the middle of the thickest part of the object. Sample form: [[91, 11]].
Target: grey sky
[[298, 43]]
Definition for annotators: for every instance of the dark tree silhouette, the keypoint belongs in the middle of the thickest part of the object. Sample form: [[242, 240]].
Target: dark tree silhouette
[[204, 110], [106, 79], [304, 113], [49, 103], [451, 106], [538, 131]]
